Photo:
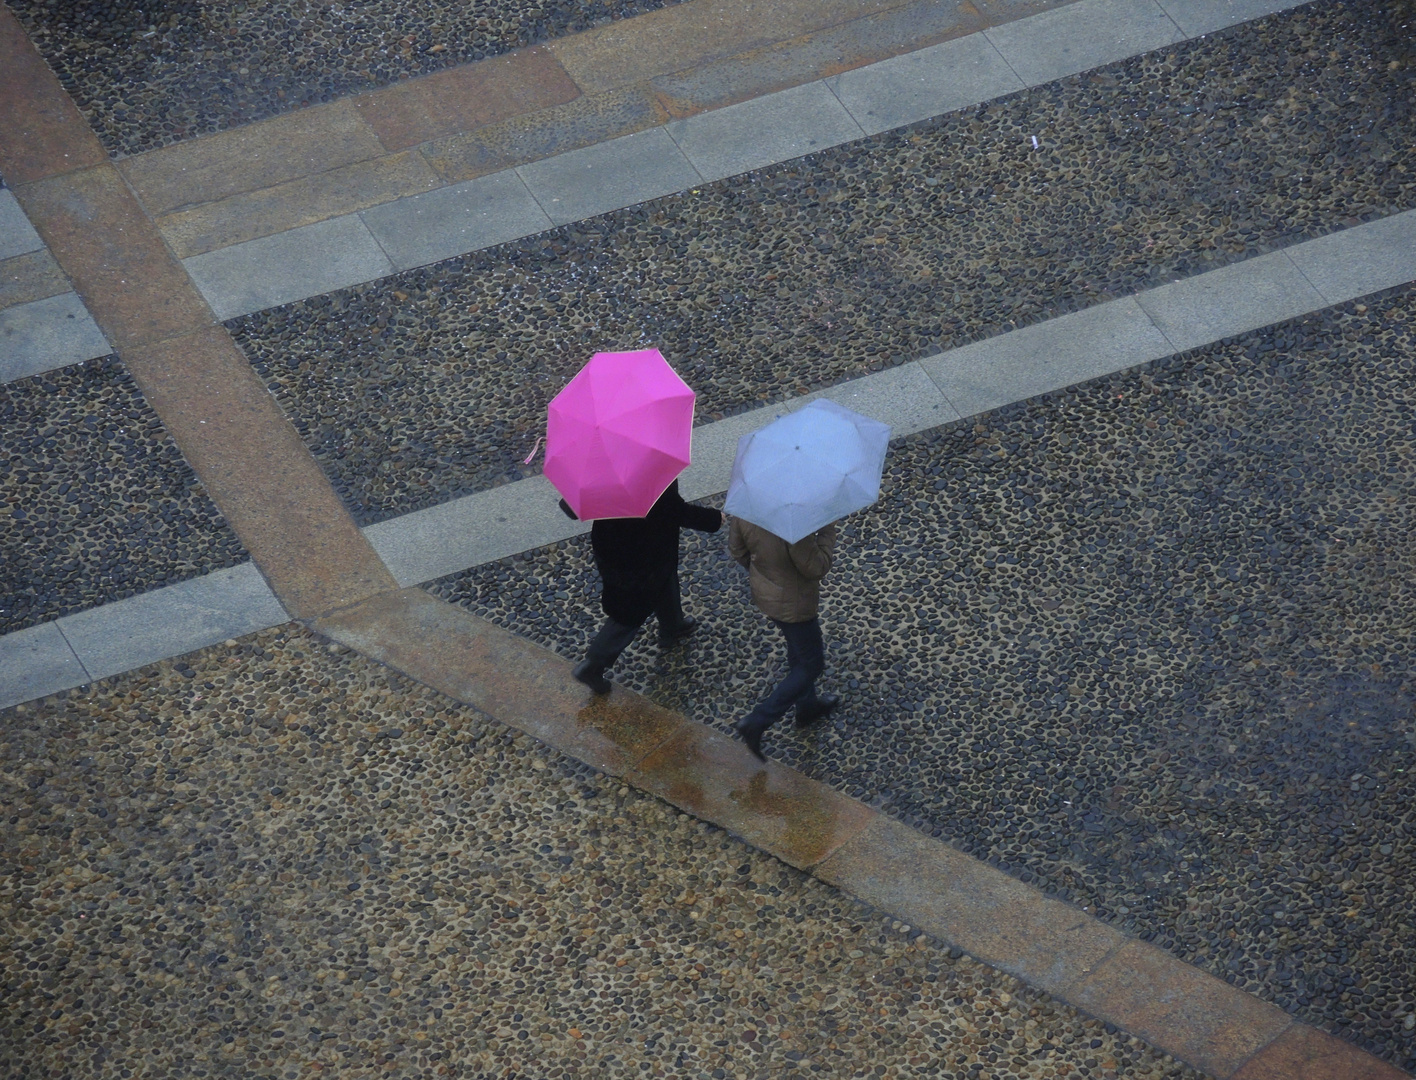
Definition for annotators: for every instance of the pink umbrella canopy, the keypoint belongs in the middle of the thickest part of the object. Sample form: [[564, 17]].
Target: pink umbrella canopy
[[618, 434]]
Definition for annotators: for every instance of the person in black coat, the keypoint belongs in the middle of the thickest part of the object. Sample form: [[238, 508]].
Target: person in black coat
[[638, 563]]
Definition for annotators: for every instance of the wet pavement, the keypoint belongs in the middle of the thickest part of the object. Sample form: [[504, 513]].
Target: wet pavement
[[98, 503], [271, 859], [433, 383], [1146, 644], [151, 74]]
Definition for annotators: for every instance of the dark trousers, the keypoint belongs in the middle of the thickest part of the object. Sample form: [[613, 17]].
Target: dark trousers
[[614, 637], [806, 660]]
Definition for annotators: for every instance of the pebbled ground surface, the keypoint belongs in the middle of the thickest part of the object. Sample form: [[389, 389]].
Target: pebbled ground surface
[[96, 502], [434, 383], [149, 73], [1147, 644], [265, 860]]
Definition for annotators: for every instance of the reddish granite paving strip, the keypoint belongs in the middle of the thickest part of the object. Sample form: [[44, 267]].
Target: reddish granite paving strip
[[467, 121], [1195, 1016], [819, 54], [1006, 923], [257, 471], [956, 898], [41, 131], [287, 147], [135, 290], [593, 118], [1303, 1053], [694, 33], [503, 675], [302, 201], [703, 771], [467, 97], [226, 424]]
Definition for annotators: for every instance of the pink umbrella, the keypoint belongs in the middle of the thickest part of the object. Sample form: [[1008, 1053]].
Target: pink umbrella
[[618, 434]]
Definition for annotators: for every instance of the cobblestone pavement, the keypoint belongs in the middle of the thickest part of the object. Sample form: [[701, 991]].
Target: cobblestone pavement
[[434, 383], [1146, 643], [268, 860], [152, 73], [97, 502]]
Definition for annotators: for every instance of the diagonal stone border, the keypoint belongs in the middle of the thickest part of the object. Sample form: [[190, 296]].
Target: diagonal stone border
[[954, 897], [228, 427], [1101, 340]]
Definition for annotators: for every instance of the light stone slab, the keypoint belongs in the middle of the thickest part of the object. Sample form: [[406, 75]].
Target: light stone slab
[[43, 335], [1053, 44], [764, 131], [1360, 260], [1047, 356], [37, 661], [1196, 17], [925, 83], [608, 176], [173, 620], [905, 397], [454, 220], [472, 530], [17, 235], [288, 266], [1231, 300]]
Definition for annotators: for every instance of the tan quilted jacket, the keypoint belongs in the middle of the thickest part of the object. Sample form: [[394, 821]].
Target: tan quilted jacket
[[786, 578]]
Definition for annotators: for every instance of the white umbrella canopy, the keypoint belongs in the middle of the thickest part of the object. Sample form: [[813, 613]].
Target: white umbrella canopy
[[808, 469]]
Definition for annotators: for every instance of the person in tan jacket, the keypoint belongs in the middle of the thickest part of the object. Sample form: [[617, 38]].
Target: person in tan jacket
[[786, 586]]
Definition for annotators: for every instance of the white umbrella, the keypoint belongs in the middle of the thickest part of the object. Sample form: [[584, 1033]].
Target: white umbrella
[[807, 469]]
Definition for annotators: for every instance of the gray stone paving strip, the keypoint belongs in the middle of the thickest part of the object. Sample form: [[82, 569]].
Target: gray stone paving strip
[[46, 334], [35, 662], [764, 131], [1359, 260], [1054, 44], [1197, 17], [608, 176], [1231, 300], [455, 220], [925, 83], [1047, 356], [500, 207], [118, 637], [288, 266], [917, 396], [431, 543], [17, 235]]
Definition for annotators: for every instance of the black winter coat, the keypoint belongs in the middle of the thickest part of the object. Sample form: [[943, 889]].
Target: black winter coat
[[636, 557]]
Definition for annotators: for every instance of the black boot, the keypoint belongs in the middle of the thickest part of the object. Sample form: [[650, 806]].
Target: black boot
[[669, 638], [751, 729], [592, 674], [818, 710]]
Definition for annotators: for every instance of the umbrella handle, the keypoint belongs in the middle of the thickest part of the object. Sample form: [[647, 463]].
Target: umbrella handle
[[534, 451]]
